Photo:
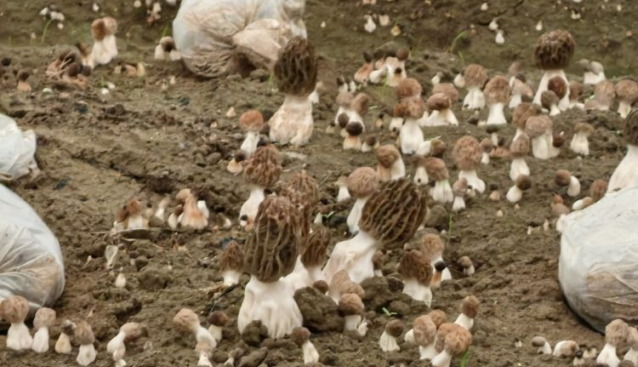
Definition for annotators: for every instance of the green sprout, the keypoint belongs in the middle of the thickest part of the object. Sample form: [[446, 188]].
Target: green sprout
[[45, 30], [388, 313], [466, 358]]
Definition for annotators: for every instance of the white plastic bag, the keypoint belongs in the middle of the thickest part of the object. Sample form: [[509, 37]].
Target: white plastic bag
[[17, 150], [598, 266], [211, 35], [31, 263]]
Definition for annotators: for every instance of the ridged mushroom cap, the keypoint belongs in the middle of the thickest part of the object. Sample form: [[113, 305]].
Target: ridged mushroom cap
[[44, 317], [520, 146], [617, 333], [562, 178], [412, 107], [497, 90], [475, 76], [575, 90], [361, 104], [296, 68], [523, 112], [460, 187], [218, 318], [432, 245], [467, 153], [409, 87], [300, 335], [598, 189], [350, 304], [549, 99], [394, 328], [627, 90], [438, 102], [387, 155], [554, 50], [315, 251], [438, 317], [448, 89], [537, 126], [435, 167], [583, 128], [470, 306], [14, 309], [415, 265], [424, 330], [232, 258], [263, 168], [523, 182], [84, 334], [605, 93], [363, 182]]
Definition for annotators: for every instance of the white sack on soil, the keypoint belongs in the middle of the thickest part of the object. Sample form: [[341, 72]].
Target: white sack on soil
[[598, 266], [31, 263], [211, 34], [17, 150]]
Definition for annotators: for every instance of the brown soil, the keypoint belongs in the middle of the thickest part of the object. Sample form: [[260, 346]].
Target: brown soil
[[96, 152]]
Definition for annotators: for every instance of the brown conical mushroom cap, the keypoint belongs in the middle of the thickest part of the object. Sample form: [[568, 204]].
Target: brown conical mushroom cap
[[394, 328], [84, 334], [438, 317], [263, 168], [438, 148], [424, 330], [448, 89], [432, 245], [523, 182], [563, 178], [598, 189], [465, 262], [354, 128], [132, 331], [486, 145], [186, 321], [218, 318], [460, 187], [435, 167], [98, 29], [415, 265], [361, 103], [537, 126], [393, 214], [467, 153], [520, 146], [470, 306], [363, 182], [575, 90], [371, 140], [271, 248], [457, 341], [616, 333], [305, 184], [350, 304], [44, 317], [314, 253], [631, 128], [497, 90], [558, 86], [409, 87], [475, 76], [605, 93], [438, 102], [412, 107], [627, 90], [300, 335], [387, 155], [403, 54], [523, 112], [549, 99], [343, 120], [296, 69], [321, 285], [443, 330], [583, 128], [252, 121], [14, 309], [344, 99], [554, 50]]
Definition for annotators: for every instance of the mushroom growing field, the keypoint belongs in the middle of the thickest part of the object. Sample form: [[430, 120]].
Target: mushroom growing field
[[461, 218]]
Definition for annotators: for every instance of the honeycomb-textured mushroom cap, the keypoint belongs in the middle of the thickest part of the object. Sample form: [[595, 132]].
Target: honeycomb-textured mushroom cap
[[314, 253], [44, 317], [232, 258], [627, 90], [218, 318], [575, 90], [460, 187], [497, 90], [344, 99], [415, 265], [438, 102], [186, 321], [350, 304], [412, 107], [409, 87], [554, 50], [424, 330], [14, 309], [393, 214], [475, 76], [438, 316], [271, 248], [631, 128], [467, 153], [549, 99], [300, 335], [432, 245], [435, 167], [470, 306], [523, 112], [252, 121], [520, 146], [448, 89], [387, 155], [361, 104], [84, 334], [263, 168], [363, 182], [605, 93], [557, 85], [457, 341], [537, 126], [394, 328], [296, 69]]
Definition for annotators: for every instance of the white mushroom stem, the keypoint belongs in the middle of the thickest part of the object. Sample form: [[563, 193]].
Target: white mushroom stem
[[542, 87], [464, 321], [626, 174], [116, 347], [496, 117], [409, 337], [231, 277], [343, 194], [204, 360], [458, 204], [515, 100], [473, 180], [421, 176], [580, 144], [18, 337], [591, 78], [442, 359], [355, 256], [352, 322], [540, 147], [442, 192], [216, 331], [136, 221], [442, 118], [303, 277], [469, 271], [410, 136], [41, 340], [293, 122], [518, 168], [310, 354], [485, 158], [251, 206], [86, 355], [396, 124], [355, 215], [427, 352], [624, 108], [631, 355], [574, 187], [388, 343], [554, 110], [474, 100], [63, 344], [608, 356], [417, 291], [545, 349], [249, 146], [514, 194]]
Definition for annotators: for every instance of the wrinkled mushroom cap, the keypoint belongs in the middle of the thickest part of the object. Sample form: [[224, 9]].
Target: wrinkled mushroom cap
[[393, 214], [435, 167], [251, 121], [605, 93], [387, 155], [412, 107], [465, 262], [438, 317], [627, 90], [361, 103], [218, 318], [631, 128], [617, 333], [549, 99], [14, 309], [458, 341], [475, 76], [415, 265], [432, 245], [523, 112], [497, 90], [438, 102], [186, 321], [448, 89], [460, 187], [271, 249], [467, 153], [520, 146], [84, 334], [557, 85], [363, 182], [424, 330], [409, 87], [232, 258], [563, 178], [263, 168], [598, 189], [554, 50], [351, 304], [314, 253], [394, 328], [537, 126], [44, 317], [296, 68], [300, 335], [470, 306], [523, 182]]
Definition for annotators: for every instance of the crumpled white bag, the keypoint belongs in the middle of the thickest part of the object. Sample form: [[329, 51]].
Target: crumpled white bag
[[598, 265], [31, 263], [210, 34], [17, 150]]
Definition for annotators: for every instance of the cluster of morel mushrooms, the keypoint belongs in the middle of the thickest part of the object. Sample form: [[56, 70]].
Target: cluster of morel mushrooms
[[286, 245]]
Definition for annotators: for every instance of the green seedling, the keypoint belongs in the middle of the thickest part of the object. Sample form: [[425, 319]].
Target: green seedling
[[388, 313], [45, 30]]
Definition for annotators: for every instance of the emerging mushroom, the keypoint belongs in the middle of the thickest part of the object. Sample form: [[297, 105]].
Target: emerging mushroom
[[261, 172], [166, 50], [23, 86], [626, 174], [442, 191], [459, 189], [301, 337], [416, 270], [424, 330], [455, 339], [296, 72], [388, 340], [217, 321], [410, 108], [15, 311], [251, 123], [391, 166], [519, 149], [616, 334], [541, 345], [44, 319], [580, 141], [565, 179], [497, 92], [186, 321], [565, 349], [104, 48], [467, 156], [521, 114], [362, 183], [475, 78], [195, 213], [84, 336], [594, 72], [235, 166], [469, 310], [486, 147], [390, 217], [351, 306], [63, 344], [421, 175], [604, 95], [627, 93], [515, 193], [432, 247], [553, 54], [341, 284], [467, 265], [232, 263], [520, 90], [117, 348], [549, 102], [441, 113], [352, 140], [363, 74], [343, 194], [270, 254], [539, 129]]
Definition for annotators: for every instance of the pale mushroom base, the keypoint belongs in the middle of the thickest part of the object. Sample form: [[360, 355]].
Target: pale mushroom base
[[355, 256], [292, 123]]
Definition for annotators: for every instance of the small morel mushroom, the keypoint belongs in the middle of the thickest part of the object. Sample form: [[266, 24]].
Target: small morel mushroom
[[549, 101], [301, 337], [520, 90], [217, 320], [187, 322], [421, 177], [604, 96], [352, 140], [44, 319], [362, 76], [440, 106], [261, 172], [519, 149], [22, 85], [626, 174], [341, 284], [475, 78], [351, 307], [232, 263], [565, 179], [467, 156], [617, 334], [539, 130], [15, 311], [416, 270], [459, 189], [166, 50], [251, 123], [388, 340], [486, 147], [541, 345], [515, 193], [85, 338], [455, 339], [580, 141], [369, 144], [565, 349], [497, 92], [311, 260], [424, 330], [130, 331], [467, 265], [362, 183], [442, 191], [553, 54], [235, 166], [437, 278], [469, 310], [627, 93], [391, 166], [594, 72], [63, 344], [104, 48], [521, 114]]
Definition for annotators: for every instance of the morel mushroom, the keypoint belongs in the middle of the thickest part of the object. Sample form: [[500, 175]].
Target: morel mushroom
[[232, 263], [261, 172], [362, 183], [553, 54]]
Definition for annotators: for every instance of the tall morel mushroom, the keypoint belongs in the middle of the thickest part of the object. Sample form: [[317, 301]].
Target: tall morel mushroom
[[251, 123], [44, 319], [475, 77], [497, 92], [85, 337], [15, 311], [296, 72], [362, 183], [261, 172], [270, 254], [519, 149], [467, 156], [553, 54], [626, 174], [424, 330], [416, 270]]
